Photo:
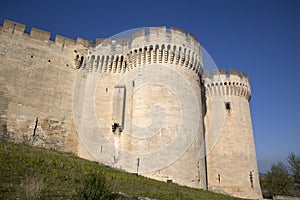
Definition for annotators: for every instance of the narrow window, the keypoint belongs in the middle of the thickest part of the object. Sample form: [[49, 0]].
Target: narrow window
[[251, 179], [133, 84], [81, 60], [227, 106]]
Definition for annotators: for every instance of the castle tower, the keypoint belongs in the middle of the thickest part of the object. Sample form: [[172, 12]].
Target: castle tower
[[231, 157], [135, 103], [140, 105]]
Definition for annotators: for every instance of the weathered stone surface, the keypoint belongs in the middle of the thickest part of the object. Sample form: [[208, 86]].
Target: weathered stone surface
[[137, 104], [231, 158], [36, 91]]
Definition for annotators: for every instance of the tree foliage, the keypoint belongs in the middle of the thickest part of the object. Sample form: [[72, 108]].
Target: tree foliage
[[294, 162], [278, 181]]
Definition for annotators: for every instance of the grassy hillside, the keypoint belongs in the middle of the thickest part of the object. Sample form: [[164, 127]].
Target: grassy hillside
[[31, 173]]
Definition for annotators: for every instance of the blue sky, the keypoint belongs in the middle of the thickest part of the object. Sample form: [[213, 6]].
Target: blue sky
[[260, 38]]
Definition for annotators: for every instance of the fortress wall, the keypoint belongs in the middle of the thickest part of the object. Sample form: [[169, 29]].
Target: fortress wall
[[154, 77], [189, 169], [36, 83], [145, 64], [153, 45], [231, 157], [95, 122]]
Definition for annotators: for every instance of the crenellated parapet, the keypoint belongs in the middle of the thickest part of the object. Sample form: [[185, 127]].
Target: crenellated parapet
[[20, 30], [80, 46], [221, 83], [178, 123], [147, 46]]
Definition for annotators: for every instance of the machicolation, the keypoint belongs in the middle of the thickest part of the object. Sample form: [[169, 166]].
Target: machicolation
[[143, 104]]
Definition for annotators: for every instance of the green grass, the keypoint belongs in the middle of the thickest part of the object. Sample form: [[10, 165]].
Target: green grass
[[32, 173]]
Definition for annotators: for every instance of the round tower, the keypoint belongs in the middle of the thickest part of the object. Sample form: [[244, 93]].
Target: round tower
[[231, 156], [140, 107]]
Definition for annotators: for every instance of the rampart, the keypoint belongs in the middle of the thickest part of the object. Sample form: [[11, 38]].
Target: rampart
[[37, 76], [19, 29], [153, 45], [147, 46], [232, 82]]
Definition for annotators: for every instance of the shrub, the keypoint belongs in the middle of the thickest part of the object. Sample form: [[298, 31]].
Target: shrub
[[94, 187]]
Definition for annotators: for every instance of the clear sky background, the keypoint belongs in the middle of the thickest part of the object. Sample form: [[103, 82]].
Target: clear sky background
[[260, 38]]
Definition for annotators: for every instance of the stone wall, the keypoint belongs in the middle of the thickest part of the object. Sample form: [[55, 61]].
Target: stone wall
[[36, 81], [137, 103], [231, 157], [161, 133]]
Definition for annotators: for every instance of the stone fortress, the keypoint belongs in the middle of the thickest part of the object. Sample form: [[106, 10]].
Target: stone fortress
[[143, 104]]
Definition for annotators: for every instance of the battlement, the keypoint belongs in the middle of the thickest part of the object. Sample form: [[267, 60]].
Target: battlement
[[146, 46], [222, 83], [147, 37], [157, 67], [20, 30], [230, 72], [162, 30]]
